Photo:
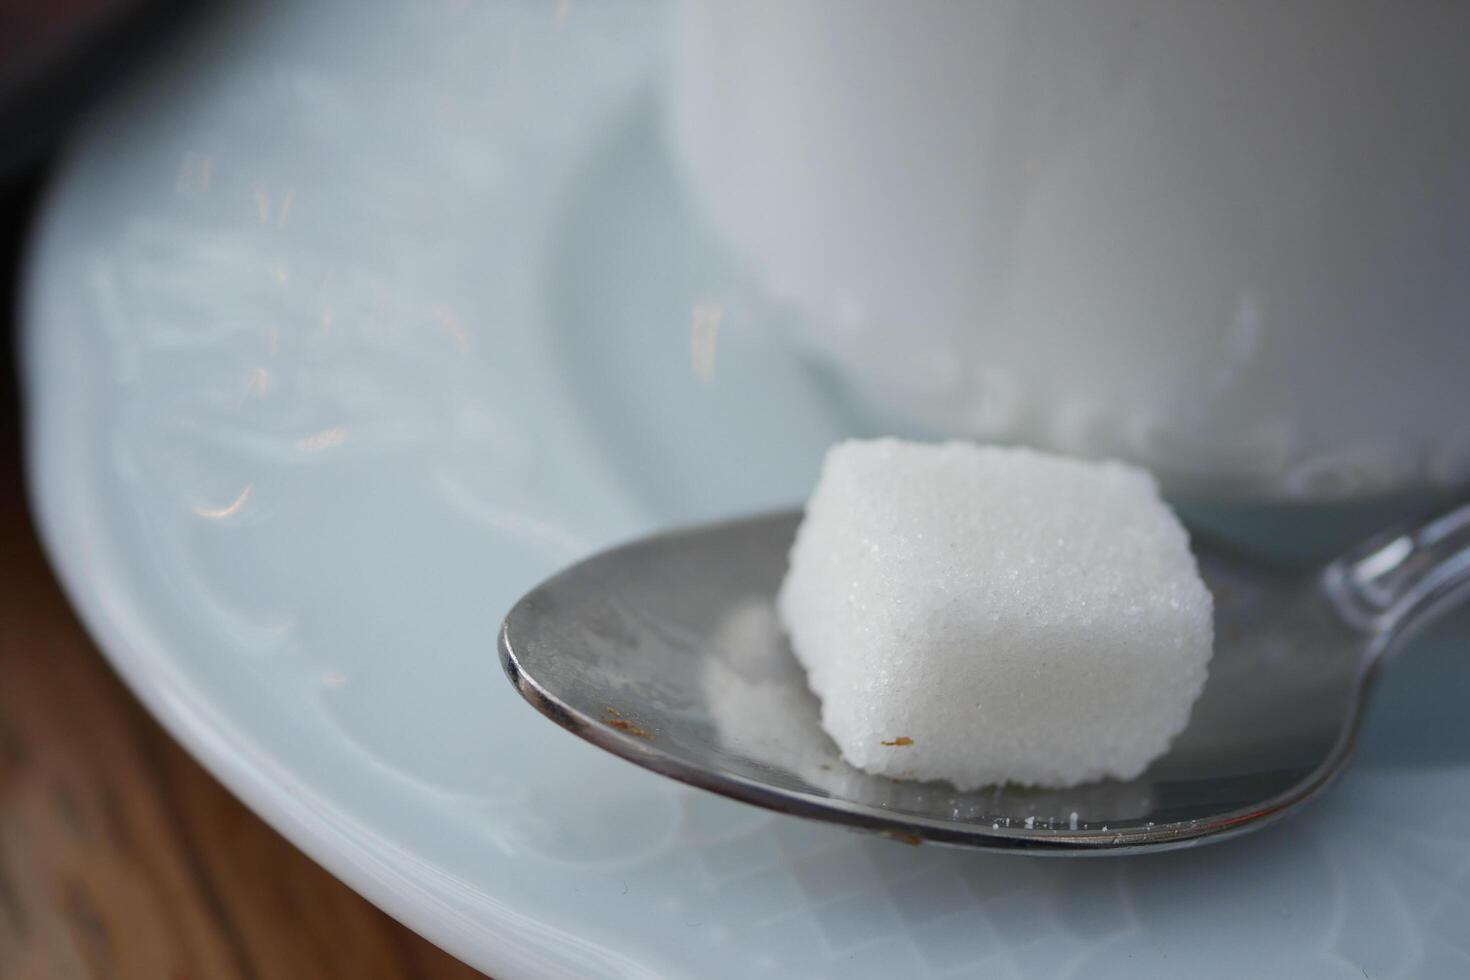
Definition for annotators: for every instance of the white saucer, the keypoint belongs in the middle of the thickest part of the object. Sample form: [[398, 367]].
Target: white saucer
[[359, 319]]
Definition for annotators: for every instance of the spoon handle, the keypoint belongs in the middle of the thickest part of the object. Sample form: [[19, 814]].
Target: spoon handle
[[1403, 575]]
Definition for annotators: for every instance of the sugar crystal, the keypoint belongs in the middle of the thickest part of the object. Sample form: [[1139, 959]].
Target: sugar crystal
[[986, 615]]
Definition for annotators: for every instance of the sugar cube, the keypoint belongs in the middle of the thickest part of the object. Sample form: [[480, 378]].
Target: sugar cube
[[985, 615]]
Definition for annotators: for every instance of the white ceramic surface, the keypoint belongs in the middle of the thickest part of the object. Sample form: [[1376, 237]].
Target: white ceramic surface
[[357, 320], [1224, 240]]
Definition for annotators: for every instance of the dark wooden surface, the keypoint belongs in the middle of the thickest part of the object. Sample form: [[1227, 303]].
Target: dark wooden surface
[[119, 856]]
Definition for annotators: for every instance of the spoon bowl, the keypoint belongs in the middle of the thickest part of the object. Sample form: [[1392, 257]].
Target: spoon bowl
[[667, 653]]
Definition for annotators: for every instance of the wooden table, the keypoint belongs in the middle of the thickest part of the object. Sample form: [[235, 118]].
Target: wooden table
[[119, 856]]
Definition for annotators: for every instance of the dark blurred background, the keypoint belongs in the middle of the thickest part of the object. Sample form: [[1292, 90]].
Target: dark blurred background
[[57, 57]]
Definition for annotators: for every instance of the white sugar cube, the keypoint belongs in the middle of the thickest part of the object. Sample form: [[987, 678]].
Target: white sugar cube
[[985, 615]]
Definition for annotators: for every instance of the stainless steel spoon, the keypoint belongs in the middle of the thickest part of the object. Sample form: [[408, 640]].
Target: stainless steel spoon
[[666, 652]]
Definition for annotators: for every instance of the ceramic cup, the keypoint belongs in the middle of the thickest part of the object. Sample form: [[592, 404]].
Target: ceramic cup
[[1230, 241]]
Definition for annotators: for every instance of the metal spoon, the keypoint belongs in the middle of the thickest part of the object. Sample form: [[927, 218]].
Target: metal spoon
[[666, 652]]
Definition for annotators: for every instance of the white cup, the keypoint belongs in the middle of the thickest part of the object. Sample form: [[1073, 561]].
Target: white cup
[[1230, 241]]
